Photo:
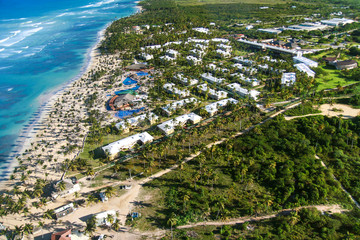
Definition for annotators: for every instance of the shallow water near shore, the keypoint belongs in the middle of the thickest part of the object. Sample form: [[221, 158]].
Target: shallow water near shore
[[43, 45]]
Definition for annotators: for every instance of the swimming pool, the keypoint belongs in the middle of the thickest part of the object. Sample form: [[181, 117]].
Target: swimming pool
[[125, 113], [129, 81], [127, 90], [142, 73]]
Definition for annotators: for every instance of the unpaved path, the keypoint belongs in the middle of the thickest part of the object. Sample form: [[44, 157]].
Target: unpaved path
[[342, 187], [346, 111], [323, 208]]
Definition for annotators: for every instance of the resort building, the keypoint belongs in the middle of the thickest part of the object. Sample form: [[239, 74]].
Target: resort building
[[306, 61], [70, 188], [171, 88], [243, 61], [202, 30], [210, 78], [113, 149], [347, 64], [264, 47], [270, 30], [121, 102], [337, 22], [307, 27], [213, 108], [172, 43], [197, 53], [201, 47], [169, 108], [167, 58], [304, 68], [186, 81], [168, 127], [135, 121], [146, 57], [102, 218], [224, 47], [64, 210], [197, 41], [172, 53], [193, 60], [152, 47], [288, 79], [211, 92], [220, 40], [69, 234], [252, 81], [253, 94], [222, 54]]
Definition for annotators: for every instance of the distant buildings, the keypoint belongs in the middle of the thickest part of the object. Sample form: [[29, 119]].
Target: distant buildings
[[193, 60], [113, 149], [168, 127], [213, 108], [288, 79], [135, 121], [171, 107], [270, 30], [253, 94], [202, 30], [171, 88], [306, 61], [347, 64], [304, 68], [210, 78], [186, 81], [211, 92], [337, 22]]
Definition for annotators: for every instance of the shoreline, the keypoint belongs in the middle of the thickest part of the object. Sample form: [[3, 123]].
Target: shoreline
[[46, 103]]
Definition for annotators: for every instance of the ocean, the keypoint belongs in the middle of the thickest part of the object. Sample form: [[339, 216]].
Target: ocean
[[43, 45]]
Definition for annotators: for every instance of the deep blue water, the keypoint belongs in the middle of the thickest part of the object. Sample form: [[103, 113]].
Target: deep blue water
[[125, 113], [129, 81], [43, 45]]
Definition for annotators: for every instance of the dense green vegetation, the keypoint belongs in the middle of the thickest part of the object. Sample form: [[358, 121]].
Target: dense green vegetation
[[304, 224], [270, 168], [303, 109]]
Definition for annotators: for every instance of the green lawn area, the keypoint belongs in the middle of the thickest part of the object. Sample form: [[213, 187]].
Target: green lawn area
[[202, 2], [332, 80]]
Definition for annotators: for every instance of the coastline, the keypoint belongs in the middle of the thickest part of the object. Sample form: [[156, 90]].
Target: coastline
[[46, 103]]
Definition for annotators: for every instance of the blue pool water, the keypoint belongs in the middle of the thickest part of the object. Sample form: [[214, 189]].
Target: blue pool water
[[125, 113], [44, 44], [129, 81], [122, 91], [142, 73]]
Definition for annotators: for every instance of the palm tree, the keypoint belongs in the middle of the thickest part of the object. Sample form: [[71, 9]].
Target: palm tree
[[110, 218], [48, 214], [116, 225], [110, 191], [172, 221], [91, 225], [28, 228]]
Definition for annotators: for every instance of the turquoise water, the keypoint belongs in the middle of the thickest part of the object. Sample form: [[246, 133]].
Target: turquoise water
[[43, 45], [125, 90]]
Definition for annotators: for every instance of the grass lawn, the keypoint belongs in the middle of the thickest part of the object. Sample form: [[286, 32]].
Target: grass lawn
[[332, 80]]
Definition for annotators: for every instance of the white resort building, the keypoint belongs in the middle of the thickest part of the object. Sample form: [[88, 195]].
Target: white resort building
[[171, 88], [210, 78], [193, 60], [185, 80], [213, 108], [253, 94], [211, 92], [171, 107], [304, 68], [113, 149], [288, 79], [169, 126], [135, 121]]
